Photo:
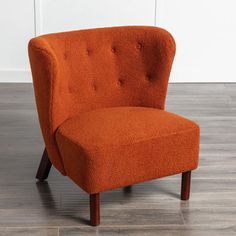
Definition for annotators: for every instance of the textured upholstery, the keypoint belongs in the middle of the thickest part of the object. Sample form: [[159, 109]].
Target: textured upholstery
[[114, 147], [80, 71]]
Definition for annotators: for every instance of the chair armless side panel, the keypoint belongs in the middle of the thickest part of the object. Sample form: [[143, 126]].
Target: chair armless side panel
[[44, 71], [160, 59]]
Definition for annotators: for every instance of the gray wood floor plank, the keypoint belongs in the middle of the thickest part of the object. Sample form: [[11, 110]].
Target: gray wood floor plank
[[70, 217], [28, 231], [210, 216], [148, 231]]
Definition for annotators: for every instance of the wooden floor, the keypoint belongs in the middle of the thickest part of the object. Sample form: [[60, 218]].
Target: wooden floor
[[58, 207]]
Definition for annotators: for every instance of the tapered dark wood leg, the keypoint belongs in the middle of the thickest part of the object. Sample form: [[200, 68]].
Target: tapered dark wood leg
[[127, 189], [95, 209], [44, 167], [185, 185]]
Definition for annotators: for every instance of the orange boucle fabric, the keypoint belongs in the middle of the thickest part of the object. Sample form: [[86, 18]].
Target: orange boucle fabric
[[114, 147], [81, 71]]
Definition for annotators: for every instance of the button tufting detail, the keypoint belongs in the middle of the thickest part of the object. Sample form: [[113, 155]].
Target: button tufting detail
[[95, 87], [148, 77], [139, 46], [113, 49], [120, 82], [65, 56], [89, 52]]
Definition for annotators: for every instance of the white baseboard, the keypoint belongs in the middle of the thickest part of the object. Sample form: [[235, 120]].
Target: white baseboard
[[15, 76], [24, 76]]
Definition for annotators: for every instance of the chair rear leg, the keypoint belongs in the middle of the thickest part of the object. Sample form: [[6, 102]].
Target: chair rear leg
[[127, 189], [94, 209], [44, 167], [185, 185]]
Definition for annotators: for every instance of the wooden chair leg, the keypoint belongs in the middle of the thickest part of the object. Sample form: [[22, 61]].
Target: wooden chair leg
[[127, 189], [185, 185], [44, 167], [95, 209]]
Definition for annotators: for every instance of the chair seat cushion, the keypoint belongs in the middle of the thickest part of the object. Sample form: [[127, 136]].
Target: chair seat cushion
[[113, 147]]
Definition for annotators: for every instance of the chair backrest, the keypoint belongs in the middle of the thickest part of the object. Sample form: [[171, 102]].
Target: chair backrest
[[83, 70]]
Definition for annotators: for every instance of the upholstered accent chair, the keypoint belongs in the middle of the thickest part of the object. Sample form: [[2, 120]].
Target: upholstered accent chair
[[100, 96]]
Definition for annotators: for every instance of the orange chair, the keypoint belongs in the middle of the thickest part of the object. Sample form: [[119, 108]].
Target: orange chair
[[100, 96]]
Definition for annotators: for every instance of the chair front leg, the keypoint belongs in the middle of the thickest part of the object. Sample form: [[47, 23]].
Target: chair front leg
[[94, 209], [44, 167], [185, 185]]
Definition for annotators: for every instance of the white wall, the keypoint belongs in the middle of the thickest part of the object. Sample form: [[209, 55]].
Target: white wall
[[205, 31], [61, 15], [16, 28]]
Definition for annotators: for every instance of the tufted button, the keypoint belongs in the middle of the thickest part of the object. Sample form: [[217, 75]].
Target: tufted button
[[120, 82], [89, 51], [65, 56], [148, 77], [94, 87], [113, 49], [139, 46]]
